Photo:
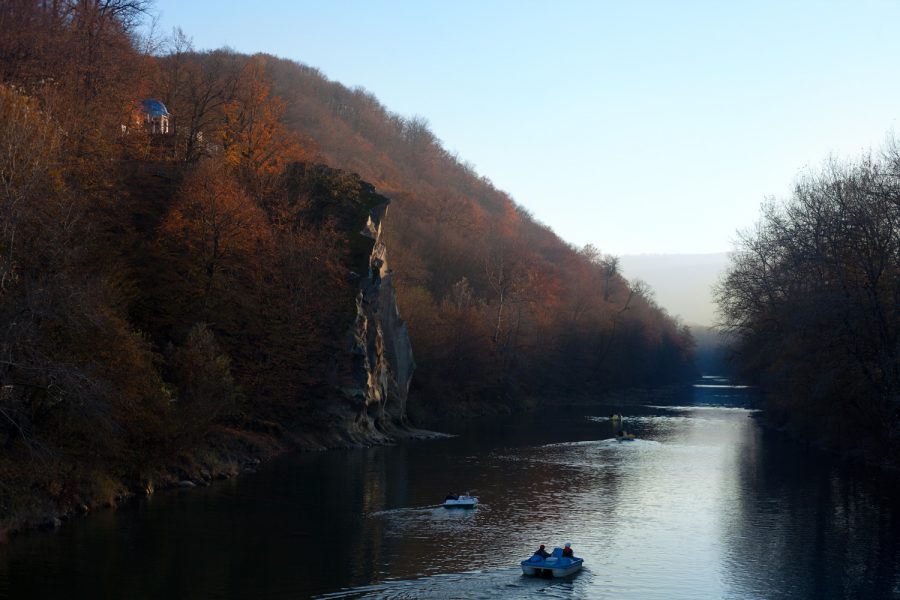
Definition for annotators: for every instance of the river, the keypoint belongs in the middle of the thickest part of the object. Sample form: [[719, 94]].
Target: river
[[704, 504]]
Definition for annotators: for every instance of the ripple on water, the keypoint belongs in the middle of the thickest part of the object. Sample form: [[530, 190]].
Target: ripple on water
[[431, 519], [480, 585]]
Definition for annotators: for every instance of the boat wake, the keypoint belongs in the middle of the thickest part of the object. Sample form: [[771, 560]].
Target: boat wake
[[634, 443], [572, 444], [479, 585], [400, 522]]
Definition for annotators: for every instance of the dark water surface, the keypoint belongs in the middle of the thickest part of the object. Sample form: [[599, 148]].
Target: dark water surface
[[704, 505]]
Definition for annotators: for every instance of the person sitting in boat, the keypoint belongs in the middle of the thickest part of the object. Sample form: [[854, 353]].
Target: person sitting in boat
[[451, 497], [567, 551], [542, 552]]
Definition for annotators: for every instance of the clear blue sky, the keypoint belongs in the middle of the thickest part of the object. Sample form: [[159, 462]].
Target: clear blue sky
[[640, 127]]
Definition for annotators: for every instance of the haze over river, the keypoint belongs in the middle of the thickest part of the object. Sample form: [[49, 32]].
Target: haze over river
[[705, 504]]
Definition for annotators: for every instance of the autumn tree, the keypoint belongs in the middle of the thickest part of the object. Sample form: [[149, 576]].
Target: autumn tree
[[215, 234], [506, 277], [254, 140]]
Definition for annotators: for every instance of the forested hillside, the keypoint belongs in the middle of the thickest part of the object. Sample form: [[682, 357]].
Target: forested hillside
[[177, 295], [498, 306]]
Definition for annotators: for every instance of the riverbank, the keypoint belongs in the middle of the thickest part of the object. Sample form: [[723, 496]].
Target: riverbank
[[42, 493]]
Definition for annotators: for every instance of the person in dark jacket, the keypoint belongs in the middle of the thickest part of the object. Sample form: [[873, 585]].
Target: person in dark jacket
[[541, 552], [567, 551]]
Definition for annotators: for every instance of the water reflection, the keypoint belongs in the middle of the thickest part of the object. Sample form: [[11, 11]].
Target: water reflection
[[835, 535], [703, 504]]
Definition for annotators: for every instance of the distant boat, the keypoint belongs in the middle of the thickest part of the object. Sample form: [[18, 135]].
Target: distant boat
[[625, 437], [460, 501], [555, 565]]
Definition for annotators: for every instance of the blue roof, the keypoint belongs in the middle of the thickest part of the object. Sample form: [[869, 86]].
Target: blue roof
[[154, 108]]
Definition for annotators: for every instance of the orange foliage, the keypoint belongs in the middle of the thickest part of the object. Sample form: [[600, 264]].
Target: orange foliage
[[254, 139], [217, 230]]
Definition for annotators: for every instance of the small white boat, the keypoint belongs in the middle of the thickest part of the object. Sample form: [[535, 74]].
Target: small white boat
[[555, 565], [461, 501]]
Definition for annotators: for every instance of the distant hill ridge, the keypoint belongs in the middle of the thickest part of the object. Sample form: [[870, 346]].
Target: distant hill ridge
[[682, 282]]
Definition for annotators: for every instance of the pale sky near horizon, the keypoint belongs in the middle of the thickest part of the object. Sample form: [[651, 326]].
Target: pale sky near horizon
[[640, 127]]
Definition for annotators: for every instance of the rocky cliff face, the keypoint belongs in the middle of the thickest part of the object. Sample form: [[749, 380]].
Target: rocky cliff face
[[377, 381]]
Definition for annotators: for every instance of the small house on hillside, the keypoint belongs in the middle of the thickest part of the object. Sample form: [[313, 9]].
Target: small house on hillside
[[154, 115]]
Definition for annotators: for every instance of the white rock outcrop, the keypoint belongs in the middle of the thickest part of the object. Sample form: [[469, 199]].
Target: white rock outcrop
[[378, 381]]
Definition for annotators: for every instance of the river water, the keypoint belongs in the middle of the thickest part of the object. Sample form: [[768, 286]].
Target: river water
[[704, 504]]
